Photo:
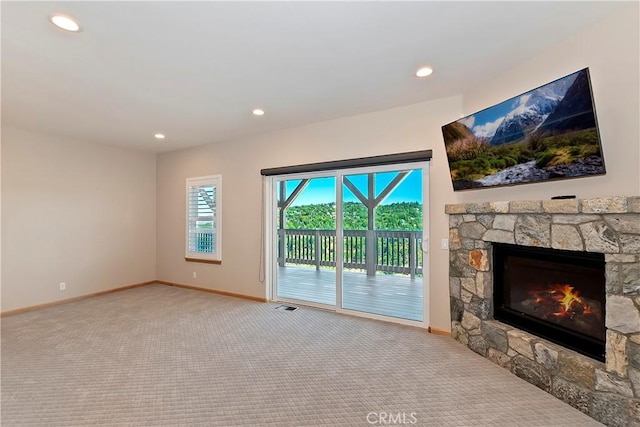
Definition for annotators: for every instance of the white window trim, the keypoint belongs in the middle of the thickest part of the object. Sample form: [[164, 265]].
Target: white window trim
[[215, 257]]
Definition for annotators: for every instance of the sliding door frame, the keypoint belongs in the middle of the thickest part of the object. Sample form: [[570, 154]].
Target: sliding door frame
[[271, 238], [272, 242]]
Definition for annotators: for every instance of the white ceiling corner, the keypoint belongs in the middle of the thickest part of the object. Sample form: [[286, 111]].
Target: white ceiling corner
[[195, 70]]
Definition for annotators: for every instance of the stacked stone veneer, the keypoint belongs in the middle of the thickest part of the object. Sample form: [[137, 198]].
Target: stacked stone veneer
[[608, 392]]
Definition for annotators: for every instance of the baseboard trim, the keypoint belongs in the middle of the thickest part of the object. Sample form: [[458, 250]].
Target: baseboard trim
[[81, 297], [212, 291], [436, 331]]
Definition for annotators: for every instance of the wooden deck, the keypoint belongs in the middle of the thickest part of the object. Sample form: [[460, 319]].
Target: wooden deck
[[388, 295]]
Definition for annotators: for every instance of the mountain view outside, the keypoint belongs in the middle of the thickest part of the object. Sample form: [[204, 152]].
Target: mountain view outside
[[314, 208], [381, 242]]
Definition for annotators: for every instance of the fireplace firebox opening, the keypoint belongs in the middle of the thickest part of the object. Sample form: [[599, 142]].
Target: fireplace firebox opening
[[554, 294]]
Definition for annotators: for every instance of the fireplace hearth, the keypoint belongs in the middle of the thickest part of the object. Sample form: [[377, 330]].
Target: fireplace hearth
[[554, 294]]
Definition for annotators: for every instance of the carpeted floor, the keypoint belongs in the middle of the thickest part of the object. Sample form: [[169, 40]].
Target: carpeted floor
[[160, 355]]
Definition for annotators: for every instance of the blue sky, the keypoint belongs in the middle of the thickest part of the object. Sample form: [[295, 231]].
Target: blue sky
[[322, 190], [484, 123]]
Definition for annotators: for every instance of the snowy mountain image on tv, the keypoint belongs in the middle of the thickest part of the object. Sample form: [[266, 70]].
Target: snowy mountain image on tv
[[547, 133]]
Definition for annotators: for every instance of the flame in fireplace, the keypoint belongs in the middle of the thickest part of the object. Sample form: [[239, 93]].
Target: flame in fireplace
[[563, 304], [569, 300]]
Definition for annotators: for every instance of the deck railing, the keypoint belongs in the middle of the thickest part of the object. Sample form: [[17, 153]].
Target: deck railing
[[205, 240], [392, 251]]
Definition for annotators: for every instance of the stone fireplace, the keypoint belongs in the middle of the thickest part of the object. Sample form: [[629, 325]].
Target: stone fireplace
[[608, 227]]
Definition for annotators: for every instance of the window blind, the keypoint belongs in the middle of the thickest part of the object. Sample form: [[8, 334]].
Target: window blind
[[203, 220]]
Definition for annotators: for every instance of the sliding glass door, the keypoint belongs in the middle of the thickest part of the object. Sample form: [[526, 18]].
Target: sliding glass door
[[352, 240], [382, 234], [306, 239]]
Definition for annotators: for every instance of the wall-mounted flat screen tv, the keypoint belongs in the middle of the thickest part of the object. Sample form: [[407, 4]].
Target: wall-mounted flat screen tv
[[545, 134]]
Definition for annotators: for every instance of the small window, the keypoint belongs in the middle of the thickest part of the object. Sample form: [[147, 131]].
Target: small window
[[204, 238]]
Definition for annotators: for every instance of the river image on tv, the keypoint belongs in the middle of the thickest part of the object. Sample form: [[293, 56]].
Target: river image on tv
[[547, 133]]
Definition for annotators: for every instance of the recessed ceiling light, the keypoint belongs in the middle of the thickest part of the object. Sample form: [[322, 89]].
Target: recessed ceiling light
[[424, 72], [159, 136], [65, 22], [258, 112]]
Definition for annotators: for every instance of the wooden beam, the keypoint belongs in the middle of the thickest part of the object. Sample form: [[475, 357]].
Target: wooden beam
[[283, 195], [282, 188], [284, 204], [371, 251], [371, 206], [390, 187], [363, 199]]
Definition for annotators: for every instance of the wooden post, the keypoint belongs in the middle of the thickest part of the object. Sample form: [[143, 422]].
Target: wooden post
[[283, 203], [371, 252], [413, 255], [316, 248], [371, 202], [281, 247]]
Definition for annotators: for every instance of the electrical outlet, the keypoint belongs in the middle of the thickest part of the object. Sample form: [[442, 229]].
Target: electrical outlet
[[195, 275], [445, 244], [63, 286]]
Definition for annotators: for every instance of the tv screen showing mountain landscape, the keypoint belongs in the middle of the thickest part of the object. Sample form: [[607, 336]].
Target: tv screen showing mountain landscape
[[547, 133]]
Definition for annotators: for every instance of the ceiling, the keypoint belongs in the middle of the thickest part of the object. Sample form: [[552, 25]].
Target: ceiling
[[195, 70]]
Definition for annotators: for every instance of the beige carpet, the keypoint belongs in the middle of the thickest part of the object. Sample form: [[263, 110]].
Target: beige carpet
[[160, 355]]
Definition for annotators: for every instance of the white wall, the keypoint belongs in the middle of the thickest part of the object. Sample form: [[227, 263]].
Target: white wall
[[86, 214], [610, 50], [410, 128], [73, 212], [1, 219]]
